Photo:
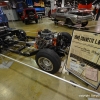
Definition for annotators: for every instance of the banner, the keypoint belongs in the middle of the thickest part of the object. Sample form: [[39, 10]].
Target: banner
[[40, 3], [2, 4], [84, 57]]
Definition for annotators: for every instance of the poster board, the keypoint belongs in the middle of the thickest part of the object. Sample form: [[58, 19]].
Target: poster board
[[84, 57]]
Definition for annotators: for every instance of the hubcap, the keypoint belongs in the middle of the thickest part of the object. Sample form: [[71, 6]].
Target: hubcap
[[45, 64]]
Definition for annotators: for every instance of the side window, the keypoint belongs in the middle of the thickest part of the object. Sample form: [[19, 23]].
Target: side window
[[65, 10], [62, 10], [58, 11]]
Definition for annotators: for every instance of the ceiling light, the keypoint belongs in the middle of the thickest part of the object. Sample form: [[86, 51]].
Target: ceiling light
[[6, 1]]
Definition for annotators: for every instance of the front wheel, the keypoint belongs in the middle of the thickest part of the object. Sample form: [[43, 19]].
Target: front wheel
[[36, 20], [84, 24], [69, 23], [55, 21], [23, 21], [48, 60], [26, 22], [7, 24]]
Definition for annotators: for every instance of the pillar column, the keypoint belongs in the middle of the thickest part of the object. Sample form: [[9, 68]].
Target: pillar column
[[62, 5]]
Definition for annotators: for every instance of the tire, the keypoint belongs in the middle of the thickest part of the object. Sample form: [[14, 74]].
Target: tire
[[55, 21], [26, 22], [7, 24], [23, 21], [36, 20], [84, 24], [69, 23], [1, 45], [48, 60], [64, 40]]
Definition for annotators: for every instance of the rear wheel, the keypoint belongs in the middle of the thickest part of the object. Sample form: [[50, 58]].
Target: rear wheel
[[55, 21], [26, 22], [36, 20], [69, 23], [7, 24], [23, 21], [1, 45], [48, 60], [84, 24]]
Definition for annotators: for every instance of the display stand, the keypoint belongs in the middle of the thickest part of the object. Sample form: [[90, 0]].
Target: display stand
[[84, 57]]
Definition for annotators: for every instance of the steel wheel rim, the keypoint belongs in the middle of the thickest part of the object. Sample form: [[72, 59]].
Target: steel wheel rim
[[45, 64]]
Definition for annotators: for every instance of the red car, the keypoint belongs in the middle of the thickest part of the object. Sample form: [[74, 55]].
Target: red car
[[29, 15]]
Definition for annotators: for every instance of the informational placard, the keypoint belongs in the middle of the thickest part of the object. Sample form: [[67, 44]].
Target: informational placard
[[84, 57]]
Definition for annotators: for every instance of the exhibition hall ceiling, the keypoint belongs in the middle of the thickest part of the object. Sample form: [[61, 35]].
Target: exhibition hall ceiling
[[46, 1]]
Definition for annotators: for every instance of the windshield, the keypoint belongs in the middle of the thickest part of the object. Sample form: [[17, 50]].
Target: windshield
[[62, 10], [30, 10]]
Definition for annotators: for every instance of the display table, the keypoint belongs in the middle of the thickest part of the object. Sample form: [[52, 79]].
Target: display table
[[84, 57]]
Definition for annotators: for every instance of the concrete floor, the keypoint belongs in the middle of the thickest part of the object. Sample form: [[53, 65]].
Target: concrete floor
[[20, 82]]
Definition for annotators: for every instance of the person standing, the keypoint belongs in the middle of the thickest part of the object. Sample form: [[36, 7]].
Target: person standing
[[98, 13]]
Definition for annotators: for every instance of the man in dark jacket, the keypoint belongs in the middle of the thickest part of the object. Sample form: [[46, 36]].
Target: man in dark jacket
[[98, 11], [98, 14]]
